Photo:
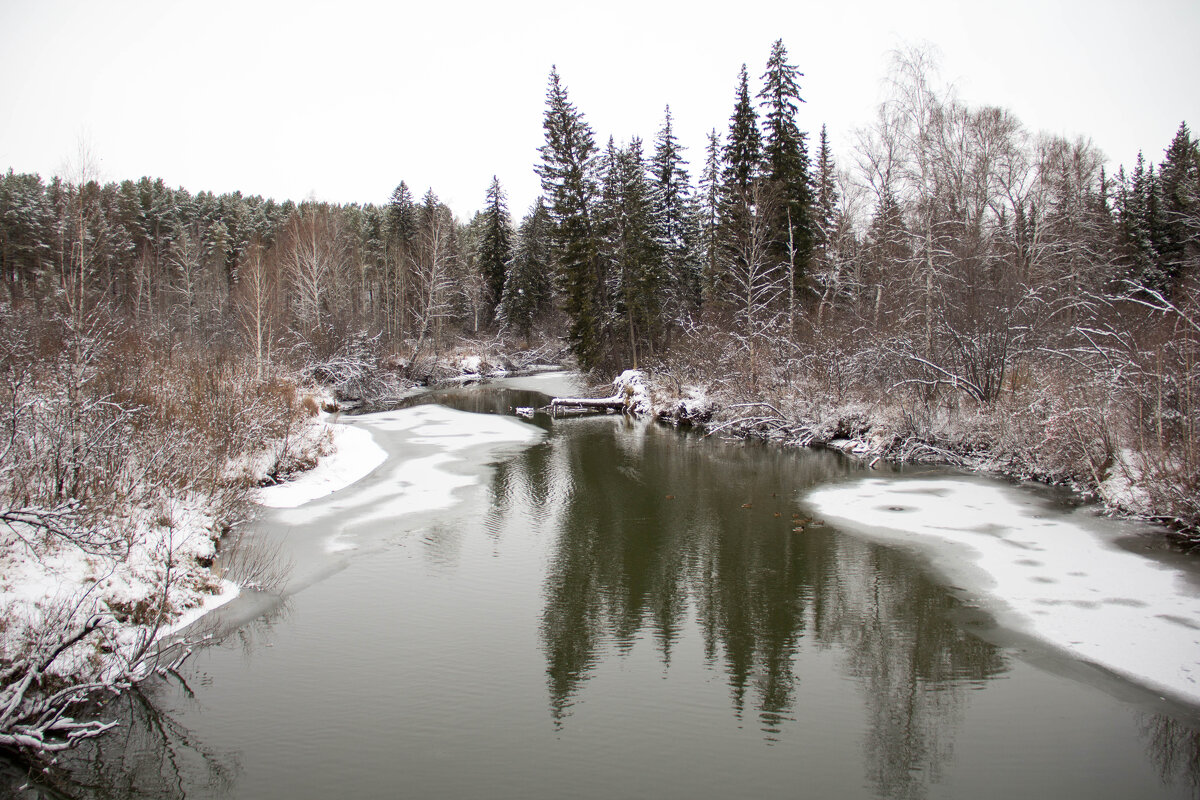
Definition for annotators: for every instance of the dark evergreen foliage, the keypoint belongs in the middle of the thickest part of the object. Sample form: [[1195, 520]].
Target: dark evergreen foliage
[[570, 186], [495, 248], [786, 167], [679, 220], [631, 235], [742, 156], [528, 288]]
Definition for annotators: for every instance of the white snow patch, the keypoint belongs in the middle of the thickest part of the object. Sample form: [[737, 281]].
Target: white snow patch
[[1049, 577], [631, 387], [355, 456], [209, 602], [422, 483], [37, 586]]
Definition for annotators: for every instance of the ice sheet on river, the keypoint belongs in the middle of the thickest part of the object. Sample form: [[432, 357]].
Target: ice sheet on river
[[1038, 571], [356, 454], [414, 458]]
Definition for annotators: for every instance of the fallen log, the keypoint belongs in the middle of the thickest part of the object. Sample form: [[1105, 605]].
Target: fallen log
[[585, 404]]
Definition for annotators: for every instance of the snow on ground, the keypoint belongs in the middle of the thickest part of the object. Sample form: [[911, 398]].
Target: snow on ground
[[1038, 572], [631, 387], [39, 583], [355, 455]]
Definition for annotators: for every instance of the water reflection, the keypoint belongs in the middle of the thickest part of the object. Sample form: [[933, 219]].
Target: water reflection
[[150, 757], [669, 551], [1175, 748], [655, 534]]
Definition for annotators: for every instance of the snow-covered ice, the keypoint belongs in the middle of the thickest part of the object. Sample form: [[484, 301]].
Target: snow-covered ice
[[208, 602], [1038, 572], [355, 456], [422, 476]]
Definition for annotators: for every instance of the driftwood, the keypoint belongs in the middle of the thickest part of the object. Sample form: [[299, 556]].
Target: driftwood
[[630, 397], [598, 403], [574, 406]]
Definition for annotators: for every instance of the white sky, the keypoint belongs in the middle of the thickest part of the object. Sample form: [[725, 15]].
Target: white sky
[[343, 100]]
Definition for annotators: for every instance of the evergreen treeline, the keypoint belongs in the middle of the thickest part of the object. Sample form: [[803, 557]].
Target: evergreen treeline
[[958, 269], [951, 258]]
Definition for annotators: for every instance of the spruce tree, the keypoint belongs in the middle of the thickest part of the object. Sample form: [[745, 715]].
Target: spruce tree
[[1179, 194], [402, 216], [826, 195], [528, 293], [709, 217], [495, 247], [741, 163], [631, 243], [786, 167], [677, 210], [743, 149], [568, 175], [1139, 226]]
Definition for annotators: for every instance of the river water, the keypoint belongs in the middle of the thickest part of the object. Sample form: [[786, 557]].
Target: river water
[[598, 607]]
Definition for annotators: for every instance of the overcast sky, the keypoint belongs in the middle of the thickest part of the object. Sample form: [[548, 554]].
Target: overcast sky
[[343, 100]]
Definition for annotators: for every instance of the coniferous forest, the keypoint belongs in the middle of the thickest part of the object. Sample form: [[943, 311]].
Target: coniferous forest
[[949, 286]]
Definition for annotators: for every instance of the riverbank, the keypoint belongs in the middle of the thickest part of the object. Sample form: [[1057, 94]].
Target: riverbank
[[1022, 436], [1065, 580]]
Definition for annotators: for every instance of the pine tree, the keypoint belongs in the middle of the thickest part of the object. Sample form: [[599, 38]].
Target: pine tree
[[830, 229], [677, 209], [568, 175], [495, 247], [826, 196], [709, 217], [743, 150], [528, 291], [786, 167], [1139, 225], [1179, 185], [631, 225], [402, 216], [401, 220], [740, 170]]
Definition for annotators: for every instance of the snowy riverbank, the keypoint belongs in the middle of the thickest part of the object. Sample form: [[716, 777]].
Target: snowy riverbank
[[352, 455]]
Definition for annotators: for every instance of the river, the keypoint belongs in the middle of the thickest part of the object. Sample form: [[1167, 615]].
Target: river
[[600, 607]]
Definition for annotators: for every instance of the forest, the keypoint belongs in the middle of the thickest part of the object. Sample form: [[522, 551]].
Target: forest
[[949, 287]]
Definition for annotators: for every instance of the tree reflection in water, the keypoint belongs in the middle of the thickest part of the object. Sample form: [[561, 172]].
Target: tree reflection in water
[[150, 754], [1174, 746], [653, 529]]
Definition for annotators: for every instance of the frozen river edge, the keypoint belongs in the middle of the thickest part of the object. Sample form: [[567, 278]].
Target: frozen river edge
[[1040, 570], [1037, 569]]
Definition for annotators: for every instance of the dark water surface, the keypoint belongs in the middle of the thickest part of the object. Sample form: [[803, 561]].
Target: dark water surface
[[620, 610]]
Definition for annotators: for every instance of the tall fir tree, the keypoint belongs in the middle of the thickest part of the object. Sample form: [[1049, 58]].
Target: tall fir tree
[[495, 246], [631, 226], [742, 156], [825, 207], [569, 184], [528, 292], [741, 168], [402, 215], [709, 217], [1179, 184], [1139, 225], [678, 214], [786, 167]]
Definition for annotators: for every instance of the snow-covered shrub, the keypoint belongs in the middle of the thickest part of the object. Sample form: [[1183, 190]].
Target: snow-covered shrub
[[631, 387], [123, 462]]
